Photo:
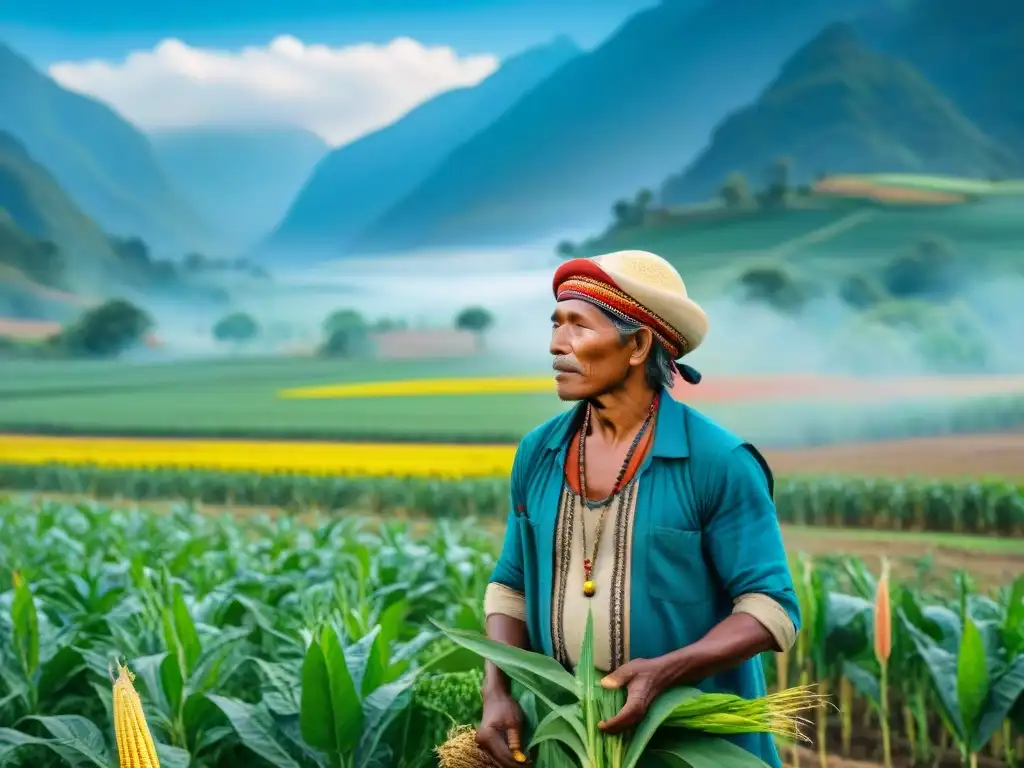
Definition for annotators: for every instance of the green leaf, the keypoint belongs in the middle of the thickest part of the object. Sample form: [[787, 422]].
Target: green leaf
[[535, 671], [171, 680], [1013, 625], [972, 678], [942, 669], [255, 729], [1006, 690], [345, 702], [74, 738], [282, 687], [863, 681], [316, 710], [25, 622], [172, 757], [185, 629], [684, 751], [657, 713], [380, 709], [552, 754], [564, 725]]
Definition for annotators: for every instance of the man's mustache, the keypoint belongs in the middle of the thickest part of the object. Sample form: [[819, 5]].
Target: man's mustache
[[564, 364]]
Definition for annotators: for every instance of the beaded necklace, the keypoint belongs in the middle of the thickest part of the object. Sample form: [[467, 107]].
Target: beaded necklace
[[589, 588]]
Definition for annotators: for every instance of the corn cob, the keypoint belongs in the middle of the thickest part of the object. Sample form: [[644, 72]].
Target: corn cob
[[135, 748]]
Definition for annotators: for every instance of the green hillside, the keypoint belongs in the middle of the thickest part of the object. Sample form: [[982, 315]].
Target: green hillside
[[613, 119], [106, 165], [971, 49], [838, 107], [40, 210]]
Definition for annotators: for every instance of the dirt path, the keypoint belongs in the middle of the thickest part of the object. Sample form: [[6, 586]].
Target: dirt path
[[995, 455]]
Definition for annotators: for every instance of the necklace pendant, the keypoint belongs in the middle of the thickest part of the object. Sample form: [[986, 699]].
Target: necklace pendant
[[589, 588]]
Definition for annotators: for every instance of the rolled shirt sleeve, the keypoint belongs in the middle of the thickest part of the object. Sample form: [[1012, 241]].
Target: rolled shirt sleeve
[[744, 542], [502, 600]]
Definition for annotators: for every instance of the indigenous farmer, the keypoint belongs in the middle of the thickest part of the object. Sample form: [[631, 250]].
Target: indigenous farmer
[[639, 508]]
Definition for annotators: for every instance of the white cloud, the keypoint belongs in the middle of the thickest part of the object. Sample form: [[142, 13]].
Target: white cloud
[[339, 93]]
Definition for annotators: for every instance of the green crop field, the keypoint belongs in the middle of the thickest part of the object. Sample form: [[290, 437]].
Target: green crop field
[[845, 237], [241, 398], [956, 184], [233, 625]]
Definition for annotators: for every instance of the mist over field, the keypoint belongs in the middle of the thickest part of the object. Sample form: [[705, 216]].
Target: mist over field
[[427, 290]]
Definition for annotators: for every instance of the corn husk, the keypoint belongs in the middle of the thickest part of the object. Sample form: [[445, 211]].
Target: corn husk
[[725, 714], [883, 617]]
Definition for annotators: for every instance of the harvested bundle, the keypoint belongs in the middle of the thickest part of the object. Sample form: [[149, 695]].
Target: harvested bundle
[[135, 748], [681, 727]]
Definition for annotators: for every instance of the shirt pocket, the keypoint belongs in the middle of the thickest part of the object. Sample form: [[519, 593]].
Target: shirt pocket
[[676, 569]]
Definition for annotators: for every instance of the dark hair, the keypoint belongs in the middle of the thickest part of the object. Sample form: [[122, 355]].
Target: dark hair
[[658, 368]]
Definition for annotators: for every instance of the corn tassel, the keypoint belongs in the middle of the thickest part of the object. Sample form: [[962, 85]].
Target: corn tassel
[[883, 649], [135, 747]]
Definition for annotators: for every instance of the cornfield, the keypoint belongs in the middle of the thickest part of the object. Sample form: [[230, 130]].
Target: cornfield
[[232, 626], [988, 507]]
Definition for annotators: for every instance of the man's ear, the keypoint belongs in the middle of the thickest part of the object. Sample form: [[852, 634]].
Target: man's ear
[[643, 340]]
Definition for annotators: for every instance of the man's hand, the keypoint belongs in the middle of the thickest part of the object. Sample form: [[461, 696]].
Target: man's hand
[[501, 729], [644, 680]]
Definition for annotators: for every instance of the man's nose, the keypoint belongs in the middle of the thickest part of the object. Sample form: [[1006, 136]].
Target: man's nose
[[559, 343]]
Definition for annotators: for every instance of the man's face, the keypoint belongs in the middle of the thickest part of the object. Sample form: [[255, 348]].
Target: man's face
[[590, 358]]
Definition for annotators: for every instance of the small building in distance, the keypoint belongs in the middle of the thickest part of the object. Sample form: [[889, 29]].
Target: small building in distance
[[435, 343]]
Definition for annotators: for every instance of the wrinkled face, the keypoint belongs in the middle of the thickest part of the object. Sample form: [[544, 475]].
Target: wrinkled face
[[590, 358]]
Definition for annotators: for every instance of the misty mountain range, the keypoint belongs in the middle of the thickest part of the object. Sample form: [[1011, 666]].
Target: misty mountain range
[[681, 95]]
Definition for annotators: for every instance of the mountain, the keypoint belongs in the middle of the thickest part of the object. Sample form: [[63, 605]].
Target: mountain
[[974, 51], [358, 182], [243, 179], [100, 159], [40, 210], [838, 107], [605, 123]]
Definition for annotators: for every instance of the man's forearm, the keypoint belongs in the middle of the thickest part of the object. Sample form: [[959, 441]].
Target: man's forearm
[[510, 631], [730, 643]]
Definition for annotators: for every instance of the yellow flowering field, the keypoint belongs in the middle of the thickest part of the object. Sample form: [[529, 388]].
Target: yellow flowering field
[[494, 385], [308, 457]]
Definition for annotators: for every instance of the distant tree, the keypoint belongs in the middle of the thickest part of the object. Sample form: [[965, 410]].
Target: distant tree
[[237, 327], [387, 324], [345, 333], [339, 344], [475, 319], [782, 172], [194, 262], [735, 191], [133, 253], [642, 205], [107, 330], [566, 249], [344, 320], [861, 292], [774, 287], [777, 190], [623, 213], [928, 270]]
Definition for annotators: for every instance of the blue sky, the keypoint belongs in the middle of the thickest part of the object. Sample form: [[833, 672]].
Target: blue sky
[[54, 30], [167, 65]]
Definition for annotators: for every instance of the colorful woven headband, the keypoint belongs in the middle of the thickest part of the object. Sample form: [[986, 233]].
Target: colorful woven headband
[[610, 298]]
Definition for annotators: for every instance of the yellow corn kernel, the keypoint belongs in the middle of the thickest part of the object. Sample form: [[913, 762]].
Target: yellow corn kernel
[[135, 747]]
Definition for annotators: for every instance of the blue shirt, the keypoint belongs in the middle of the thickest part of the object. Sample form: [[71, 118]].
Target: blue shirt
[[705, 533]]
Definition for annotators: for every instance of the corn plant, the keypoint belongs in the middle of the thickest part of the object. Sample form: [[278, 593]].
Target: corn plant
[[680, 726], [988, 507]]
